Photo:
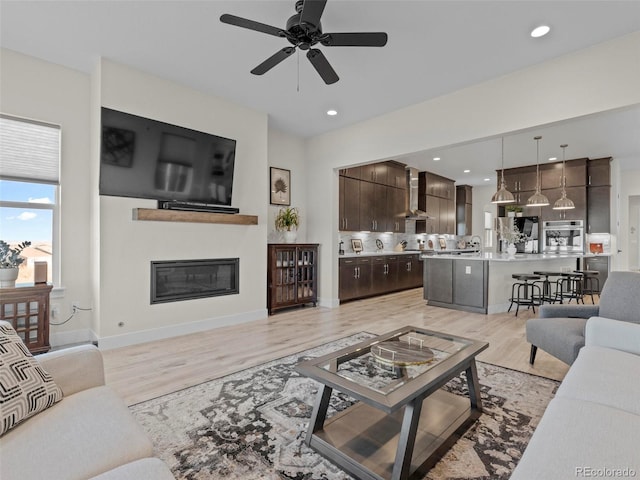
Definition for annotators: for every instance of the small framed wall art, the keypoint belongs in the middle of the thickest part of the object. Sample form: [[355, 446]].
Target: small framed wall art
[[280, 186], [356, 244]]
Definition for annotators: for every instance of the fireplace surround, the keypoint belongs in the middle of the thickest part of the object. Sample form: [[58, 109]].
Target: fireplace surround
[[176, 280]]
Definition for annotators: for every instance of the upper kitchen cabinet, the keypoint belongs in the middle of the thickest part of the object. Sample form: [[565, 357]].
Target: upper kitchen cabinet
[[575, 172], [599, 172], [578, 195], [349, 204], [463, 209], [599, 195], [521, 179], [369, 199], [396, 175], [435, 185]]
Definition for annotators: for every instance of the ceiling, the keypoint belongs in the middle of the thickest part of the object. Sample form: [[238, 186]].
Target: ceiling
[[434, 47]]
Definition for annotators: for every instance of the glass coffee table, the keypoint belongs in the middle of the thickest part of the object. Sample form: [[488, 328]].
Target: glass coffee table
[[403, 422]]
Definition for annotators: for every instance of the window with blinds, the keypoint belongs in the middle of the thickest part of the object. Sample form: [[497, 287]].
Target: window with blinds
[[29, 184]]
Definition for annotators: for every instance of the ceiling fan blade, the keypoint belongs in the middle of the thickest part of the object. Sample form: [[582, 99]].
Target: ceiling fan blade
[[322, 66], [312, 11], [364, 39], [273, 60], [251, 25]]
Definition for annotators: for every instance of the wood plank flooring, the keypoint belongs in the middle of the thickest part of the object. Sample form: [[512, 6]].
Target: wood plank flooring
[[148, 370]]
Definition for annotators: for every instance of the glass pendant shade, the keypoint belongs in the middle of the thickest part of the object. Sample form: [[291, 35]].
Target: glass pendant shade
[[563, 203], [537, 199], [503, 195]]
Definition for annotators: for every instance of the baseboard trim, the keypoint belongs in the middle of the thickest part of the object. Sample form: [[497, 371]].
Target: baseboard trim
[[161, 333], [71, 337]]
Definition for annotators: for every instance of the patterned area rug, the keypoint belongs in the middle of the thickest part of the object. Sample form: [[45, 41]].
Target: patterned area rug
[[251, 424]]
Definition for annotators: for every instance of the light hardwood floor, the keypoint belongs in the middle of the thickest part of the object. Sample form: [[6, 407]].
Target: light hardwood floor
[[146, 371]]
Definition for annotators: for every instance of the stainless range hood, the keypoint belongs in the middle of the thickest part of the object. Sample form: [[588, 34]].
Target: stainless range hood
[[413, 212]]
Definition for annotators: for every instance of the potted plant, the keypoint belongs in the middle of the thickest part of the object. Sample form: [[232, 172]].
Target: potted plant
[[287, 221], [10, 261]]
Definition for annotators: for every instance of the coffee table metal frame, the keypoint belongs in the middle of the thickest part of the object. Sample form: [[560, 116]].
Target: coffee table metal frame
[[401, 433]]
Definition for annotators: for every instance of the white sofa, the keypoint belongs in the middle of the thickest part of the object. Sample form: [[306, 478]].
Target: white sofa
[[90, 433], [592, 426]]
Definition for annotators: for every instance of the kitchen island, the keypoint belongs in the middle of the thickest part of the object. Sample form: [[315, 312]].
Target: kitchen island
[[481, 282]]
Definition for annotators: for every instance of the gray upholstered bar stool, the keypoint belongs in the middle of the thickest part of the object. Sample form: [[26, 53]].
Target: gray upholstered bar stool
[[547, 295], [525, 292], [590, 283]]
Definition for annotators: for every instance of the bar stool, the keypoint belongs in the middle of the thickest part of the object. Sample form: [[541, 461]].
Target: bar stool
[[571, 284], [525, 292], [589, 281], [547, 295]]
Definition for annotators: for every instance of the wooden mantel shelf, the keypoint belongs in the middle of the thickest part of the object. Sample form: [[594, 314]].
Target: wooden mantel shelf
[[159, 215]]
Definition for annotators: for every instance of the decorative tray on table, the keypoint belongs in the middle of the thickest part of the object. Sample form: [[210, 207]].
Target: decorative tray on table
[[403, 352]]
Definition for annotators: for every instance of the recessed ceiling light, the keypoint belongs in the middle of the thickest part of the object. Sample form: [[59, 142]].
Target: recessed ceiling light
[[551, 159], [332, 112], [436, 159], [466, 171], [487, 179], [540, 31]]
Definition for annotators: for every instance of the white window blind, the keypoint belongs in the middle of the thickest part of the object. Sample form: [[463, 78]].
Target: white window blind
[[29, 150]]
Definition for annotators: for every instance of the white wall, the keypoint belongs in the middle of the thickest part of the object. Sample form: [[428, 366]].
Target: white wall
[[127, 247], [31, 88], [600, 78], [287, 151], [628, 192]]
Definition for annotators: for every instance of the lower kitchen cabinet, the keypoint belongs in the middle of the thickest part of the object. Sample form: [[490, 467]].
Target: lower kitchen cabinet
[[362, 277], [355, 278], [459, 284], [292, 275]]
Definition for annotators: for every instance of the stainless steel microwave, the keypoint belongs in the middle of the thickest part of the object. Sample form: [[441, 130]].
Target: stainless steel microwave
[[560, 236]]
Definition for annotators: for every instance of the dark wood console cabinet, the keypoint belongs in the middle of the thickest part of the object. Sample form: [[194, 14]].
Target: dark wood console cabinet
[[27, 310], [292, 275]]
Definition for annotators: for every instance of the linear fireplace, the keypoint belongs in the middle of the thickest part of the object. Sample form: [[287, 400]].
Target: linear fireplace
[[176, 280]]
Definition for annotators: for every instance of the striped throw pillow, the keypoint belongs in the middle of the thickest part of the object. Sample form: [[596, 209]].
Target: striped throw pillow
[[25, 388]]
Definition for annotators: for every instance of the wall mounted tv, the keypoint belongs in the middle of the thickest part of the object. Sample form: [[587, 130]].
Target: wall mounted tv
[[145, 158]]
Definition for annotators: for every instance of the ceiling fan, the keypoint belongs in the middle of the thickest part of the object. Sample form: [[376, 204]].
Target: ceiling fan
[[304, 31]]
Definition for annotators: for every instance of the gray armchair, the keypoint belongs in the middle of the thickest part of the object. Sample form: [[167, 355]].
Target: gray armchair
[[559, 330]]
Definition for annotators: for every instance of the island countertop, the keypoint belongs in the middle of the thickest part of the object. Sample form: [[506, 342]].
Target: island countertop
[[518, 257]]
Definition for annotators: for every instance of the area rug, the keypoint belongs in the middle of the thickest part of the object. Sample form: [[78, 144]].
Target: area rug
[[251, 424]]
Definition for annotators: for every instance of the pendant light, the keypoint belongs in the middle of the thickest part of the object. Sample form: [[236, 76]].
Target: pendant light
[[563, 203], [502, 195], [537, 199]]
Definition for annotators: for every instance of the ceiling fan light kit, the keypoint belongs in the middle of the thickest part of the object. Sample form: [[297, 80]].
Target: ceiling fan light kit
[[304, 31], [537, 199], [503, 195], [563, 203]]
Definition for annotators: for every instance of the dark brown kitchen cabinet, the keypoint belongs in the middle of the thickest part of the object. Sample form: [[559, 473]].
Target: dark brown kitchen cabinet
[[599, 264], [396, 175], [349, 201], [599, 196], [376, 206], [409, 271], [463, 209], [431, 205], [447, 216], [361, 277], [578, 195], [373, 207], [354, 278], [27, 310], [396, 204], [599, 172], [384, 274], [292, 275], [575, 172], [521, 179]]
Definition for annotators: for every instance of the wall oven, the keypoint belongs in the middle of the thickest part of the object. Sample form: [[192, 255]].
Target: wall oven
[[563, 236]]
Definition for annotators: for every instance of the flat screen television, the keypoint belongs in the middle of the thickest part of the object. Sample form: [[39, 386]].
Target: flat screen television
[[145, 158]]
